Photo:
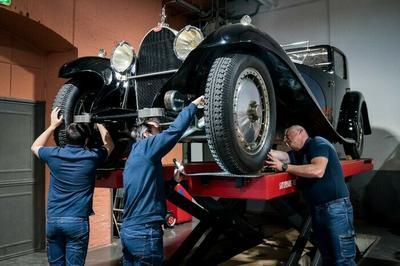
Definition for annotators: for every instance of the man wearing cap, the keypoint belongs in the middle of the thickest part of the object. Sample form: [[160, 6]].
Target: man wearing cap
[[144, 199]]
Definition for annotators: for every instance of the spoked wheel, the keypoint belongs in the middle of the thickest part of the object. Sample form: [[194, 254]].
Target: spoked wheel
[[355, 149], [239, 113], [76, 99]]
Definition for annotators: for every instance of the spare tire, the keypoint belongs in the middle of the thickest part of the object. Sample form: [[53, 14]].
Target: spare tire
[[240, 113]]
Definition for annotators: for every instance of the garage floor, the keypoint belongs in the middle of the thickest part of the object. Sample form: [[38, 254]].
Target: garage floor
[[381, 247]]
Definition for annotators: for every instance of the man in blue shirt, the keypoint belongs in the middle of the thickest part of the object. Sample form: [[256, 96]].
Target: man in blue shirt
[[315, 162], [144, 200], [72, 178]]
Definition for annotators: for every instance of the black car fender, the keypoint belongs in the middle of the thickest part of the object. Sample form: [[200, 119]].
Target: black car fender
[[85, 67], [352, 105], [93, 73], [298, 105], [235, 38]]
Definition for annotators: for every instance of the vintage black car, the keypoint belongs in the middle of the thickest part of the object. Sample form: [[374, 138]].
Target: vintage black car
[[253, 88]]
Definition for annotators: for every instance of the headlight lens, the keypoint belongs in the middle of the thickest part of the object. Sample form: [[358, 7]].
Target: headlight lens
[[174, 100], [123, 57], [186, 40]]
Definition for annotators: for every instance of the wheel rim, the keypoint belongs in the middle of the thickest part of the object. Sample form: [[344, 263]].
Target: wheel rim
[[84, 104], [251, 111]]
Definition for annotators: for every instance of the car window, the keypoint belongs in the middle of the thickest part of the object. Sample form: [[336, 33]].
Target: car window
[[340, 68], [313, 57]]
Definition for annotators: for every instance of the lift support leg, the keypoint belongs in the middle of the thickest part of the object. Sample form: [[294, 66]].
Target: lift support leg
[[220, 234]]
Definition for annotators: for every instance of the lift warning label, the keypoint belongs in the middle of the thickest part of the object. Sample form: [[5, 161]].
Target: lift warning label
[[286, 184]]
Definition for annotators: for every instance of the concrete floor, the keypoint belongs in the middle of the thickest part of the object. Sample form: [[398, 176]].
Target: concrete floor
[[385, 249]]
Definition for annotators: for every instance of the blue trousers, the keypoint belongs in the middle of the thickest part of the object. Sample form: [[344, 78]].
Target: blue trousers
[[67, 240], [142, 244], [334, 232]]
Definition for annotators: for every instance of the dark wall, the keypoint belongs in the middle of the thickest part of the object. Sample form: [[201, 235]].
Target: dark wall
[[376, 195]]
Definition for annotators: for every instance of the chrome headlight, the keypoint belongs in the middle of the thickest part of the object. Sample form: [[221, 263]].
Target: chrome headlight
[[186, 40], [123, 56], [174, 100]]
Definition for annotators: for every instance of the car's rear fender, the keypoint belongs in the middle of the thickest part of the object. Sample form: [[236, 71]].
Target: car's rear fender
[[366, 123], [352, 105]]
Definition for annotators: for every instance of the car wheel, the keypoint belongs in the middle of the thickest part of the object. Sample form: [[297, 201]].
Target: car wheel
[[355, 149], [72, 101], [239, 113]]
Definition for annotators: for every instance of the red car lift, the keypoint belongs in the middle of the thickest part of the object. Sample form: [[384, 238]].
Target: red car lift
[[222, 229], [176, 215]]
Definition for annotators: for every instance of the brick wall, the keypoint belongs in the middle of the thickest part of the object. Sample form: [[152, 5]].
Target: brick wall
[[101, 222], [22, 69], [38, 36]]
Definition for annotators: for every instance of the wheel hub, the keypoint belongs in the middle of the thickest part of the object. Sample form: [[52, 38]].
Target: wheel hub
[[250, 110]]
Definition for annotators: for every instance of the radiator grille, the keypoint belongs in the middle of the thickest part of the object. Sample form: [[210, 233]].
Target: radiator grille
[[148, 88], [156, 54]]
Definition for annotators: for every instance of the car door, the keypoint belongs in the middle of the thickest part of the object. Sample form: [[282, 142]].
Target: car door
[[340, 82]]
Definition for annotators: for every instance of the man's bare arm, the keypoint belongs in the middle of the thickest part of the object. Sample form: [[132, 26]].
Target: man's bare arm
[[316, 169], [108, 143], [44, 137]]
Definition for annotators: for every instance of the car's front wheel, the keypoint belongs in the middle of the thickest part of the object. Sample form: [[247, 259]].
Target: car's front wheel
[[71, 100], [239, 113]]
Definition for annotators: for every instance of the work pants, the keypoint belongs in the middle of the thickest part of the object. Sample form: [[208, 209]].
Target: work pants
[[67, 240], [142, 244], [334, 231]]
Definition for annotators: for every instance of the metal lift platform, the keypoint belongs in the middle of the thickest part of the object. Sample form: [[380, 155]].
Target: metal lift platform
[[223, 230]]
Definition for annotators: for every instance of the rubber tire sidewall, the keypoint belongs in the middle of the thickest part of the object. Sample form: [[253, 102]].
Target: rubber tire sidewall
[[228, 150], [66, 99]]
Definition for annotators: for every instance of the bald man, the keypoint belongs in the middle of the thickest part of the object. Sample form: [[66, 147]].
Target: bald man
[[320, 178]]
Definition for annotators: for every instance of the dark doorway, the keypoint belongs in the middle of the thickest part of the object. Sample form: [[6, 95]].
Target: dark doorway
[[21, 179]]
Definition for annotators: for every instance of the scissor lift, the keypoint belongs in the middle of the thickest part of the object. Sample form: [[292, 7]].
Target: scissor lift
[[223, 231]]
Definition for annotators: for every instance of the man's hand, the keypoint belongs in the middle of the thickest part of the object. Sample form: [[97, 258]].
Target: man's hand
[[280, 155], [199, 101], [55, 121], [273, 162]]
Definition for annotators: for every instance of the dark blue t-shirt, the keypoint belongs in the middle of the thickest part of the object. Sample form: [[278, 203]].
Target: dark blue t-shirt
[[332, 185], [144, 199], [72, 178]]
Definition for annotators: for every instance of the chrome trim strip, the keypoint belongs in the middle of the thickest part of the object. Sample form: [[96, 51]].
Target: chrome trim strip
[[154, 74]]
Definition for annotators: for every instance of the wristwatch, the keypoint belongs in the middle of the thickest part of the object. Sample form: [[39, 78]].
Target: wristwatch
[[284, 167]]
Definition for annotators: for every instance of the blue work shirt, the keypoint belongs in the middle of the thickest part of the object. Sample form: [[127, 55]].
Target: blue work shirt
[[72, 178], [332, 185], [144, 199]]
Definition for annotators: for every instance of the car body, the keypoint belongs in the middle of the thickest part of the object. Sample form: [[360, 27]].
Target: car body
[[254, 89]]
